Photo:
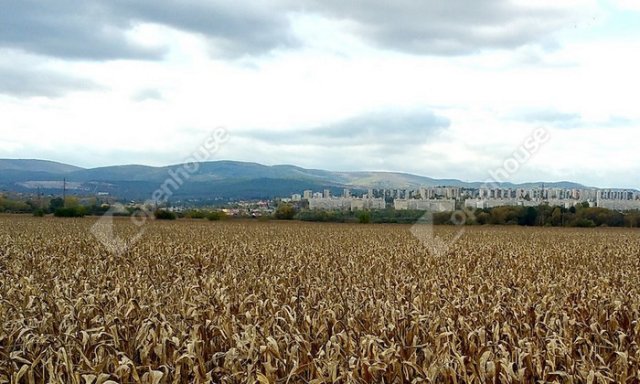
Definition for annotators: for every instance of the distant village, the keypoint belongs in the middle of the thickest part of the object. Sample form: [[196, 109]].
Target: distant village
[[441, 199]]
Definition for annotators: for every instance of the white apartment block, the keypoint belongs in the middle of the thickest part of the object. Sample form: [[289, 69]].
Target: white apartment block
[[609, 194], [367, 204], [440, 199], [619, 205], [621, 200], [434, 205], [492, 203], [345, 203], [606, 198], [439, 193]]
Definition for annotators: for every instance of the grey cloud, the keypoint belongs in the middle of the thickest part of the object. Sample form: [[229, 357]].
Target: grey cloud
[[234, 28], [30, 82], [96, 30], [551, 117], [69, 29], [619, 121], [147, 94], [536, 57], [381, 129], [446, 27], [567, 120], [390, 126]]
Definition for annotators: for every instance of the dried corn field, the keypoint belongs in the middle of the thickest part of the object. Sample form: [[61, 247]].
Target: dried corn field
[[235, 302]]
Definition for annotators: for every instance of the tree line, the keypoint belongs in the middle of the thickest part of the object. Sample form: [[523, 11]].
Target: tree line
[[580, 215]]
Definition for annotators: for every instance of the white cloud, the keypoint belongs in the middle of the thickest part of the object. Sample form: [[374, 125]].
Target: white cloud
[[628, 5], [581, 87]]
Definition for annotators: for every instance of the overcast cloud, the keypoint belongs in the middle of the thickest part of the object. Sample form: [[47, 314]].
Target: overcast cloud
[[97, 30], [442, 89], [28, 82], [70, 29], [453, 27], [389, 130]]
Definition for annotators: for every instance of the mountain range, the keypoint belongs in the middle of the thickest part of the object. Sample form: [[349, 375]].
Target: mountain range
[[215, 180]]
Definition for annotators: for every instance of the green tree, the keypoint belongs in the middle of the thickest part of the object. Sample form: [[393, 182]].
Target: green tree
[[70, 212], [56, 203], [584, 223], [528, 216], [545, 211], [195, 214], [285, 212], [216, 215], [163, 214], [364, 217], [556, 217], [71, 202], [483, 217], [632, 219]]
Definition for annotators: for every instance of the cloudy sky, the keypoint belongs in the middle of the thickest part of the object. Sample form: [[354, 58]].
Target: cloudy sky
[[438, 88]]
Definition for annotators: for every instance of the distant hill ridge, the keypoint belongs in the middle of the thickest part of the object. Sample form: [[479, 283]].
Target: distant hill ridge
[[34, 165], [218, 179]]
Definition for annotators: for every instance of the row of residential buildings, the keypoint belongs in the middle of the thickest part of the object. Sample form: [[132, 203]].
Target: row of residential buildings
[[616, 199], [346, 203], [421, 193], [446, 198]]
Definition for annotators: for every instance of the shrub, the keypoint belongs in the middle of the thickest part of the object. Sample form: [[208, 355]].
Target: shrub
[[162, 214], [364, 217], [70, 212], [38, 212], [585, 223], [285, 212], [216, 215], [56, 203], [196, 214]]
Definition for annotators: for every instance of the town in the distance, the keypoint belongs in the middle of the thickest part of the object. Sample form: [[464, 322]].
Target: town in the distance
[[229, 189], [441, 199]]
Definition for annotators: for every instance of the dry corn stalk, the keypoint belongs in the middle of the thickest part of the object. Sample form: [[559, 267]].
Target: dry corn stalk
[[291, 302]]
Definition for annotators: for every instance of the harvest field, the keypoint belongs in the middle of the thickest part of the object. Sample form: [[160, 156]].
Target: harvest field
[[278, 302]]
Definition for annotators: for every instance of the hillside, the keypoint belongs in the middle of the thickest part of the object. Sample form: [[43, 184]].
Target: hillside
[[32, 165], [226, 180]]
